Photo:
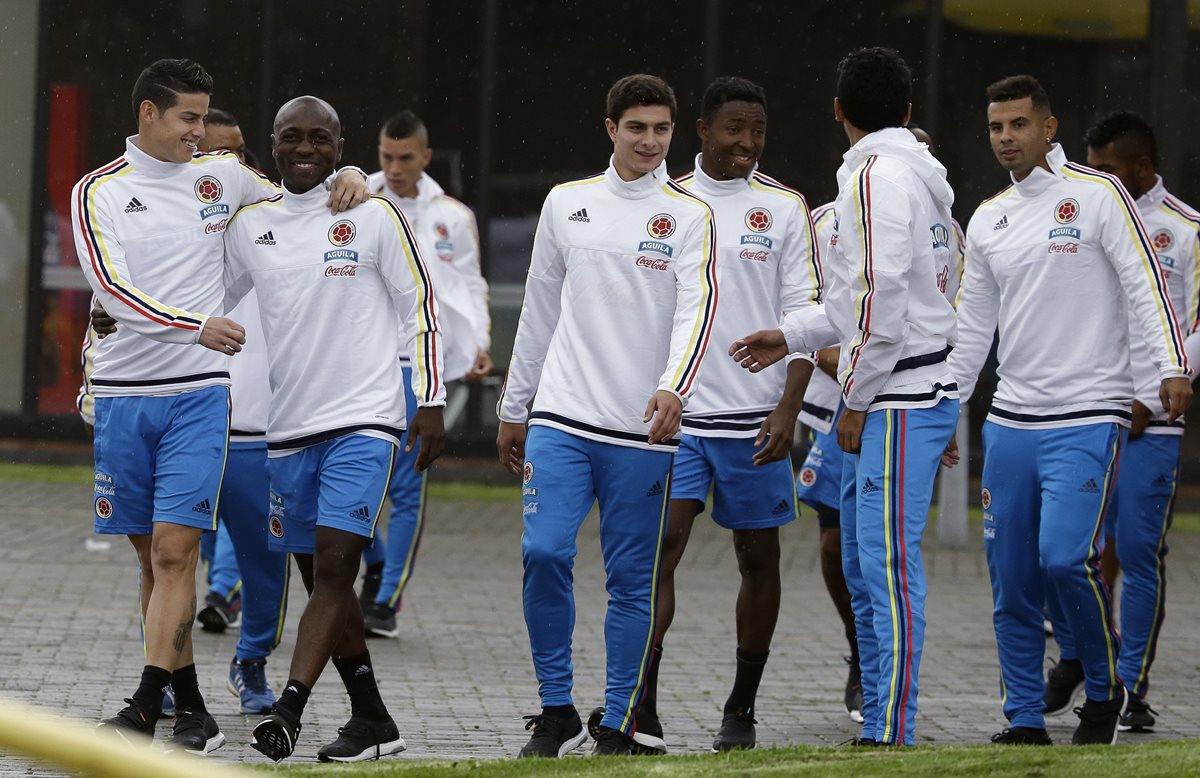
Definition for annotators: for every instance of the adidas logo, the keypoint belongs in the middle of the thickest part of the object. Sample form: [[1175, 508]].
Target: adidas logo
[[579, 216], [362, 513], [655, 490], [1001, 224], [362, 670], [135, 206], [869, 487], [1089, 486], [1162, 479], [202, 507], [781, 508], [267, 239]]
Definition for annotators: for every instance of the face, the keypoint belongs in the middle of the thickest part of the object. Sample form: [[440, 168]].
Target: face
[[1020, 135], [640, 139], [734, 140], [221, 136], [306, 146], [402, 161], [173, 135], [1132, 172]]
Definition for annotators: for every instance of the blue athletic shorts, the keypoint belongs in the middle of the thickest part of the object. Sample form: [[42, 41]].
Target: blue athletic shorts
[[159, 459], [819, 482], [744, 496], [340, 483]]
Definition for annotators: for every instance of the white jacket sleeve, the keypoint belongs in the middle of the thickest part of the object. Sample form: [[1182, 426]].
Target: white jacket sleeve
[[467, 265], [1189, 319], [801, 282], [107, 271], [808, 329], [877, 242], [540, 312], [253, 184], [411, 287], [978, 307], [1129, 251], [695, 308]]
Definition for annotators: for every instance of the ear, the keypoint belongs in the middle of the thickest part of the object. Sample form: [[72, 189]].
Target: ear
[[148, 111], [907, 115], [611, 126], [1051, 128], [702, 130], [341, 144], [838, 115], [426, 158]]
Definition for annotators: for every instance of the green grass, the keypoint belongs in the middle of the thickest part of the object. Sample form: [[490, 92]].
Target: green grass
[[1165, 758]]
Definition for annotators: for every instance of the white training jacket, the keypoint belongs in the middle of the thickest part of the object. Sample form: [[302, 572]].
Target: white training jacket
[[250, 394], [333, 291], [1172, 226], [449, 241], [619, 303], [768, 267], [1056, 261], [148, 236], [885, 302]]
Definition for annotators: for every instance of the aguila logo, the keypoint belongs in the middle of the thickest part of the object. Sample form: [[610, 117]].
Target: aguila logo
[[654, 263], [661, 225], [104, 508], [208, 189], [758, 219], [1066, 211], [1163, 240], [342, 233]]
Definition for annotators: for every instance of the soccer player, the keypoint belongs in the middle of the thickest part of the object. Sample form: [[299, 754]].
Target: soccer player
[[891, 241], [622, 283], [446, 231], [1140, 509], [148, 229], [1056, 259], [738, 429], [336, 418]]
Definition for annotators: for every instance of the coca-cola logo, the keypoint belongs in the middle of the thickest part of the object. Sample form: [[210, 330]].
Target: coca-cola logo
[[653, 263], [343, 271], [215, 227], [943, 278], [1064, 248], [754, 256]]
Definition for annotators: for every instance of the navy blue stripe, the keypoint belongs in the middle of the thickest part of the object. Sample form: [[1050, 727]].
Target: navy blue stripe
[[321, 437], [186, 379], [937, 391], [1035, 418], [711, 274], [633, 437]]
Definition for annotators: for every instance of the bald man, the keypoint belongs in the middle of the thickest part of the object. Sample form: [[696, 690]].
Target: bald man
[[336, 420]]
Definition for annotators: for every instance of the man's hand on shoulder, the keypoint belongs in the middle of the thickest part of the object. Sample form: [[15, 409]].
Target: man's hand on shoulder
[[349, 189]]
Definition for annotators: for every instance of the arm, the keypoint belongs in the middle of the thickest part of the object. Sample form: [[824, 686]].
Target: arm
[[466, 263], [978, 313], [695, 312], [877, 242], [1189, 319]]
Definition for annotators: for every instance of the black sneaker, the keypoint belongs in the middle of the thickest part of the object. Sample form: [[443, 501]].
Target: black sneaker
[[612, 742], [553, 735], [370, 586], [1022, 736], [1098, 721], [362, 739], [380, 621], [132, 724], [860, 742], [1138, 717], [648, 732], [854, 693], [275, 736], [218, 614], [196, 733], [737, 731], [1064, 683]]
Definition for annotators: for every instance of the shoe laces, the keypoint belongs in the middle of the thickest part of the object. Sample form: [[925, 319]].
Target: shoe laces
[[355, 728], [744, 716], [544, 725], [254, 675]]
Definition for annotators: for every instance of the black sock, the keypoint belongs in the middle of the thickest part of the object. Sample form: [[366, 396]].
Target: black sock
[[293, 699], [359, 679], [852, 638], [149, 694], [375, 569], [745, 683], [559, 711], [650, 700], [187, 690]]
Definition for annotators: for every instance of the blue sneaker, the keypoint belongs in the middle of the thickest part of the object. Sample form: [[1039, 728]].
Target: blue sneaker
[[248, 680], [168, 706]]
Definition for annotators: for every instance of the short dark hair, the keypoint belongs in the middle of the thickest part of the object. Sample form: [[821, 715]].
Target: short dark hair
[[220, 118], [728, 89], [1018, 88], [1128, 130], [405, 125], [874, 88], [638, 89], [162, 82]]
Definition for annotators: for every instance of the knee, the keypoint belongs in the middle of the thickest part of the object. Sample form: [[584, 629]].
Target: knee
[[173, 556], [539, 551], [1062, 566], [831, 548], [758, 556], [335, 569]]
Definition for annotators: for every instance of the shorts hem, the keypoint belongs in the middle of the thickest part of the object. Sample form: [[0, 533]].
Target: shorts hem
[[760, 524]]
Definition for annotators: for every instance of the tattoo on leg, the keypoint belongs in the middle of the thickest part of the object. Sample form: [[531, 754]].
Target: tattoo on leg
[[185, 629]]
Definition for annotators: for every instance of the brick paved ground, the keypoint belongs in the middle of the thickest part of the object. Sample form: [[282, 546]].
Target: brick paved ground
[[459, 679]]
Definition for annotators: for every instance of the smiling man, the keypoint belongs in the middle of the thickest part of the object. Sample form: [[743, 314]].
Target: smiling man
[[619, 308], [738, 429], [1060, 261], [335, 422], [148, 231]]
